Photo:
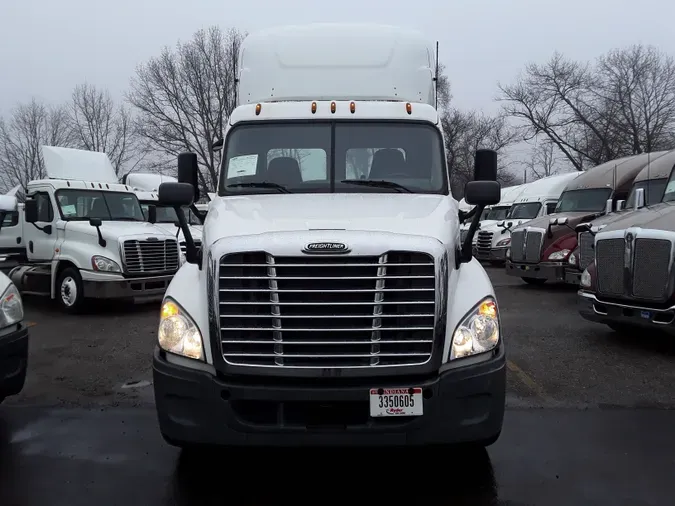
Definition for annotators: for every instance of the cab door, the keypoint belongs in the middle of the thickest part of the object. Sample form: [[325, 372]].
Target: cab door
[[41, 236]]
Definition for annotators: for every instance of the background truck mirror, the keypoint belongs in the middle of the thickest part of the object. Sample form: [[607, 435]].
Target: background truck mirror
[[485, 166], [482, 193], [152, 214], [608, 206], [188, 172], [8, 203], [30, 211], [175, 194], [97, 222]]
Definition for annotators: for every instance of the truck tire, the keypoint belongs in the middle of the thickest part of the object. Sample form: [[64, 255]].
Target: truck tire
[[69, 290], [534, 281]]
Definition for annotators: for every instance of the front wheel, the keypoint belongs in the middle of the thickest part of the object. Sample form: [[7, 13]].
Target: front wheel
[[534, 281], [69, 291]]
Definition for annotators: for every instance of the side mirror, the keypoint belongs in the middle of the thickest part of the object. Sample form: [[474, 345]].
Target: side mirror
[[482, 192], [8, 203], [500, 223], [553, 221], [152, 214], [639, 198], [620, 204], [188, 172], [582, 227], [30, 211], [563, 221], [485, 167], [217, 145], [95, 222], [608, 206], [176, 194]]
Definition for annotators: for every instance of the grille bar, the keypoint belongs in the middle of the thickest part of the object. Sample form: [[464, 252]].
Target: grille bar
[[328, 312]]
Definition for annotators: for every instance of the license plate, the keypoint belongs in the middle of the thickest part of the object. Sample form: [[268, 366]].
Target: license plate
[[645, 314], [396, 402]]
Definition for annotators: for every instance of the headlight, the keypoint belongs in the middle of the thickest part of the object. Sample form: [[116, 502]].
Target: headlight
[[11, 307], [478, 332], [585, 280], [504, 242], [508, 253], [573, 259], [178, 333], [559, 255], [104, 264]]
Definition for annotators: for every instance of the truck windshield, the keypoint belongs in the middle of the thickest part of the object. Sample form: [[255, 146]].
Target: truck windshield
[[498, 213], [525, 211], [653, 188], [105, 205], [167, 214], [591, 200], [334, 157]]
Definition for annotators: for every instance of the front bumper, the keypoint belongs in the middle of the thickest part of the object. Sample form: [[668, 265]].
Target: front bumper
[[550, 271], [461, 405], [493, 255], [114, 286], [598, 311], [13, 360]]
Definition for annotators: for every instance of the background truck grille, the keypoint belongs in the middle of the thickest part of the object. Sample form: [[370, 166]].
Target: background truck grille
[[183, 247], [586, 251], [147, 256], [532, 246], [609, 254], [651, 269], [327, 312], [484, 244], [517, 238]]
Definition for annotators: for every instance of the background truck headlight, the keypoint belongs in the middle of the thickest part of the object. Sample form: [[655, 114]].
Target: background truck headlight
[[11, 307], [559, 255], [573, 259], [504, 242], [104, 264], [178, 333], [478, 332]]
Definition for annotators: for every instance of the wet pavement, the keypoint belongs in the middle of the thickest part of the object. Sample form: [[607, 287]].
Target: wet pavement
[[72, 457]]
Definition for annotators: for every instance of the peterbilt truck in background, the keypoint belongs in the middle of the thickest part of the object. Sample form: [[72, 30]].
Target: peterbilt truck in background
[[629, 285], [536, 199], [332, 303], [86, 237], [540, 249]]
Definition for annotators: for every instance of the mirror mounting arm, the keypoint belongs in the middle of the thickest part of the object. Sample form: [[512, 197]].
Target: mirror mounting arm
[[47, 229], [191, 253], [464, 254]]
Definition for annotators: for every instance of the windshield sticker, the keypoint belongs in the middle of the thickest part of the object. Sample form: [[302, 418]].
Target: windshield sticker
[[241, 166], [70, 210]]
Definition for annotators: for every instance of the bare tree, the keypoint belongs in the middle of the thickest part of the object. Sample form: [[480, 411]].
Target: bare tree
[[465, 132], [98, 124], [544, 160], [184, 97], [28, 127], [623, 105]]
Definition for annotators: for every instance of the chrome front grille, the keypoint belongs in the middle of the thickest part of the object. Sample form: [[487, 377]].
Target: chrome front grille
[[148, 256], [586, 251], [533, 246], [327, 311], [651, 274], [517, 238], [609, 254], [484, 244]]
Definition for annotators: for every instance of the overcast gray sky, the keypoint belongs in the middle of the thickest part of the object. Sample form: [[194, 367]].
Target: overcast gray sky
[[49, 46]]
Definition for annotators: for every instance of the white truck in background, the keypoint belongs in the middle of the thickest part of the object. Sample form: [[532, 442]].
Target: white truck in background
[[145, 185], [492, 214], [86, 237], [332, 302], [536, 199]]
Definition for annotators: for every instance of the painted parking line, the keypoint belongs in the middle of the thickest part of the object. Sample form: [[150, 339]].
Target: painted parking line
[[527, 380]]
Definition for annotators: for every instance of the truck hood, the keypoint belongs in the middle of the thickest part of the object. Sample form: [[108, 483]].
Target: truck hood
[[426, 215], [116, 229], [170, 228], [658, 217]]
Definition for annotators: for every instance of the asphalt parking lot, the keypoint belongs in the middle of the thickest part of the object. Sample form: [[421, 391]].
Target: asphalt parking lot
[[590, 421]]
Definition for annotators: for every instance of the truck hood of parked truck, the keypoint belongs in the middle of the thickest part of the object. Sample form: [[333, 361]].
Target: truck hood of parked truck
[[425, 215], [658, 217], [117, 229]]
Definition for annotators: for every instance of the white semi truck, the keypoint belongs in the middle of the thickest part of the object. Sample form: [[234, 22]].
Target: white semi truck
[[86, 237], [332, 302]]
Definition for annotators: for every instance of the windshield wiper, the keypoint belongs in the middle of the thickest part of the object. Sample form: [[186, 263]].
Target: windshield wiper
[[260, 184], [378, 184]]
